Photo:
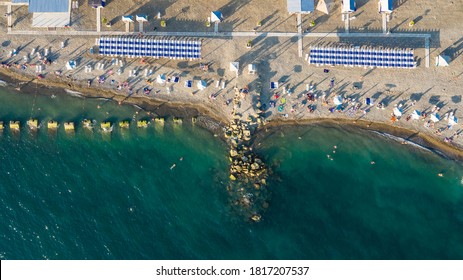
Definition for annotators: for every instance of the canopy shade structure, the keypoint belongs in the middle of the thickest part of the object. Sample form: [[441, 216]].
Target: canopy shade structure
[[300, 6], [216, 16], [435, 117], [161, 79], [141, 18], [348, 6], [234, 67], [442, 60], [49, 6], [416, 115], [128, 18], [337, 100], [325, 6], [201, 85], [385, 6], [147, 46], [397, 112]]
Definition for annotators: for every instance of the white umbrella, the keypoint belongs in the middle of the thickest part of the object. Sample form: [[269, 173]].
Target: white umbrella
[[453, 120], [337, 100], [216, 16], [161, 79], [435, 117], [397, 112], [201, 85], [416, 115]]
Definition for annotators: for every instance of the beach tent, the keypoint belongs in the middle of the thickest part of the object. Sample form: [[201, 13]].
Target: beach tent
[[452, 120], [128, 18], [216, 16], [416, 115], [234, 67], [337, 100], [397, 112], [324, 6], [348, 6], [385, 6], [161, 79], [71, 64], [300, 6], [442, 60], [201, 84], [252, 69], [435, 117]]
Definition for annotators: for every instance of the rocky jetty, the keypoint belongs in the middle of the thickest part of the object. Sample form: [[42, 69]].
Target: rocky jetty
[[248, 174]]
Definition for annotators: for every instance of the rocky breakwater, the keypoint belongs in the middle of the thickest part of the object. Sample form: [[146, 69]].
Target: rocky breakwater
[[247, 189]]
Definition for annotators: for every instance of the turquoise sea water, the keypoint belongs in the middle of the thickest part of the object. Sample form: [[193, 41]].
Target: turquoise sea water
[[89, 196]]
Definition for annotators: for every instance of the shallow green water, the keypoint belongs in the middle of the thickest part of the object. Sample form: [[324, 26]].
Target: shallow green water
[[89, 196]]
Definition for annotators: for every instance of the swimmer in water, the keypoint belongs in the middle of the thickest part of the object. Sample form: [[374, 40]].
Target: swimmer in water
[[181, 158], [335, 147], [440, 175], [372, 162]]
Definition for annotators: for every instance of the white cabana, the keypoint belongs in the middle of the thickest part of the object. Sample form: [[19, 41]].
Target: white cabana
[[442, 60], [161, 79], [324, 6], [385, 6], [216, 16], [397, 112], [71, 64], [234, 67], [416, 115], [128, 18], [252, 69], [141, 18], [348, 6], [201, 85], [300, 6], [435, 117], [452, 120], [337, 100]]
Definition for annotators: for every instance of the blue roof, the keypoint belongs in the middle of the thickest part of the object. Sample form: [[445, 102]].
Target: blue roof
[[48, 6]]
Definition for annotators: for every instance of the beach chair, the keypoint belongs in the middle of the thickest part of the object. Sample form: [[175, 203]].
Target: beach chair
[[175, 79], [188, 84]]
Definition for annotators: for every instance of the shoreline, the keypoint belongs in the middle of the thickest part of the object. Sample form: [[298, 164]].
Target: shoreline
[[215, 122]]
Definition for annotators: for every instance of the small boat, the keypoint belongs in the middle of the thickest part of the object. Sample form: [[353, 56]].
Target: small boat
[[69, 126], [52, 125], [14, 125], [106, 126], [87, 124], [178, 120], [124, 124], [194, 120], [33, 124], [142, 124]]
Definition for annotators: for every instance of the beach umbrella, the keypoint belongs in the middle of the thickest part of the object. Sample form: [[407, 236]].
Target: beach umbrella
[[337, 100], [397, 112], [201, 85], [161, 79], [453, 120], [435, 117], [234, 67], [216, 16], [416, 115]]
